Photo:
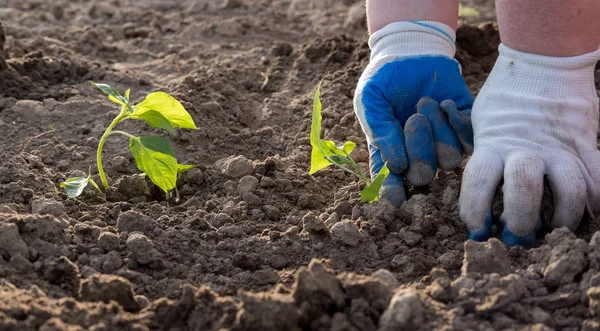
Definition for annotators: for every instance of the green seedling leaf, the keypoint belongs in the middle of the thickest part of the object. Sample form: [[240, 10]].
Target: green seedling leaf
[[467, 11], [329, 148], [74, 186], [113, 95], [338, 159], [155, 119], [315, 127], [107, 89], [156, 158], [119, 100], [325, 151], [371, 192], [265, 81], [168, 107], [348, 147], [181, 168], [318, 160]]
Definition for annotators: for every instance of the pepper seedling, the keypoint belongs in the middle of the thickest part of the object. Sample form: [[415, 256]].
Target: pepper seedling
[[325, 153], [154, 156]]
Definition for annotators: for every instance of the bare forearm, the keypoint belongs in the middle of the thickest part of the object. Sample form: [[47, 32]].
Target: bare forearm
[[550, 27], [383, 12]]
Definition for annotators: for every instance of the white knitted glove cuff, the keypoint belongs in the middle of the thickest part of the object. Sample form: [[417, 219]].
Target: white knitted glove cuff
[[539, 75], [412, 38]]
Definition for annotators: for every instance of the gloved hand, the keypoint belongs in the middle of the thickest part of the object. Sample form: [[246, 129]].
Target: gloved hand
[[535, 116], [412, 68]]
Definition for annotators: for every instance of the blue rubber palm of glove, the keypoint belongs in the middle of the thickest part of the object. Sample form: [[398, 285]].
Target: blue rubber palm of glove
[[416, 115]]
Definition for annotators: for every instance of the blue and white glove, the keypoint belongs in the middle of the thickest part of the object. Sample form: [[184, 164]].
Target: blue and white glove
[[413, 104], [535, 117]]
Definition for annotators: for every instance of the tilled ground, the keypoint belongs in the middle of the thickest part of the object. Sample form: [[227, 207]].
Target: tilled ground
[[255, 243]]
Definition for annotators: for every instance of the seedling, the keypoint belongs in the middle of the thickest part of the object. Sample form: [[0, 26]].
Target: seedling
[[325, 153], [265, 81], [154, 156], [467, 11]]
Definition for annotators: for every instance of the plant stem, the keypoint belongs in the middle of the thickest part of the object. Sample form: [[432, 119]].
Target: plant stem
[[358, 173], [122, 133], [101, 145], [94, 184]]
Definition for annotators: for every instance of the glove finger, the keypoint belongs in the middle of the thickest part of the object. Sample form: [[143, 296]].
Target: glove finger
[[527, 241], [523, 190], [481, 177], [482, 234], [393, 186], [448, 149], [591, 173], [461, 123], [569, 191], [383, 130], [420, 149]]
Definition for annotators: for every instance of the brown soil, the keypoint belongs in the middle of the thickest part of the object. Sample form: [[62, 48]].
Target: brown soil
[[281, 251]]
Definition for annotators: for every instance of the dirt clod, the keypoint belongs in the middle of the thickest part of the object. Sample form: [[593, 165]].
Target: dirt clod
[[11, 243], [47, 207], [346, 232], [247, 184], [567, 260], [404, 312], [106, 288], [62, 271], [313, 224], [131, 221], [235, 166], [141, 248], [486, 258], [108, 241]]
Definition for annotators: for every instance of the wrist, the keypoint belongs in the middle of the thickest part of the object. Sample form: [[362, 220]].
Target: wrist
[[545, 76], [413, 38], [383, 12]]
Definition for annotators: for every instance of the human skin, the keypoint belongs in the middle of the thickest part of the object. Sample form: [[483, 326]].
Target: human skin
[[545, 27], [549, 27], [383, 12]]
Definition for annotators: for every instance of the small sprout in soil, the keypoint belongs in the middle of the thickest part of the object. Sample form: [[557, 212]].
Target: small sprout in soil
[[325, 153], [265, 81], [153, 155], [465, 11]]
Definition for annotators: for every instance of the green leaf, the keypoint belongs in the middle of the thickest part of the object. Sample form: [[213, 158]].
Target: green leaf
[[317, 161], [155, 119], [315, 127], [317, 155], [118, 100], [348, 147], [113, 95], [325, 150], [467, 11], [74, 186], [330, 149], [371, 192], [168, 107], [156, 158], [127, 94], [109, 90], [181, 168]]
